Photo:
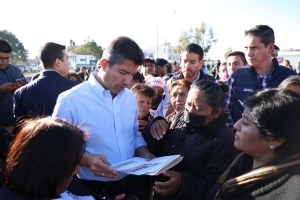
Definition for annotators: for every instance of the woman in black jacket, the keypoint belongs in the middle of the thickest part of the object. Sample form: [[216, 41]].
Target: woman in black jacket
[[199, 133], [269, 135]]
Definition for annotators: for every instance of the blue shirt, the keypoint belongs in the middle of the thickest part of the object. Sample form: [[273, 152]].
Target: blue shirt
[[111, 123]]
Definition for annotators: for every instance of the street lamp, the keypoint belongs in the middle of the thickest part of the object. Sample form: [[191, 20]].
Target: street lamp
[[157, 46]]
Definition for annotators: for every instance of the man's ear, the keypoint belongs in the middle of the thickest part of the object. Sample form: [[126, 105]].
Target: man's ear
[[201, 63], [104, 64], [271, 47]]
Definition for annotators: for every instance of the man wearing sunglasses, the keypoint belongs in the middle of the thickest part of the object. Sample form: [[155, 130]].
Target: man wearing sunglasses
[[11, 78]]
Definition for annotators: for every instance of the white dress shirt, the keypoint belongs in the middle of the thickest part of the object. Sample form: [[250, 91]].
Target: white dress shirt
[[111, 123]]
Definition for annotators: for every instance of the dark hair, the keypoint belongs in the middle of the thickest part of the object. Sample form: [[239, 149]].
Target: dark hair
[[78, 78], [264, 32], [291, 80], [5, 47], [276, 47], [180, 82], [175, 63], [160, 62], [238, 53], [194, 48], [121, 49], [143, 89], [169, 67], [138, 76], [49, 52], [42, 157], [276, 114], [213, 92], [150, 60]]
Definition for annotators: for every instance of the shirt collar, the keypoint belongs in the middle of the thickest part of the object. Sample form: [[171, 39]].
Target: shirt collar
[[98, 88]]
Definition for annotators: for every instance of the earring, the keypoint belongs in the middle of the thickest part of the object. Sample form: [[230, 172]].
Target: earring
[[271, 146]]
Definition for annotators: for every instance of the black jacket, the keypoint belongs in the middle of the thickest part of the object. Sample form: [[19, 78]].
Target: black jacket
[[207, 153], [39, 96]]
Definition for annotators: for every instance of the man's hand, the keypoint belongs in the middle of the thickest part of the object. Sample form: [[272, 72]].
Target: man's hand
[[144, 153], [158, 129], [170, 187], [98, 164], [8, 86]]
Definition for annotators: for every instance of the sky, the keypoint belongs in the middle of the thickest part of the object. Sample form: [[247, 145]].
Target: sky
[[35, 22]]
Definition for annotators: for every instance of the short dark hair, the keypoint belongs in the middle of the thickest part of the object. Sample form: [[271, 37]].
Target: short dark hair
[[238, 53], [213, 92], [138, 76], [160, 62], [5, 47], [121, 49], [194, 48], [49, 52], [276, 113], [149, 60], [264, 32], [42, 157], [143, 89], [276, 47]]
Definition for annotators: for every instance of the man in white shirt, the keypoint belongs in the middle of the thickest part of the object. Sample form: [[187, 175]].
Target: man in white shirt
[[107, 110]]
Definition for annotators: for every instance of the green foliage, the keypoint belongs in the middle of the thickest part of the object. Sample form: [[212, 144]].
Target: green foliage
[[203, 35], [89, 48], [227, 52], [19, 53]]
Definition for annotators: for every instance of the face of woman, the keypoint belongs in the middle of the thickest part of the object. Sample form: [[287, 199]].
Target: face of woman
[[144, 104], [248, 138], [196, 103], [178, 97]]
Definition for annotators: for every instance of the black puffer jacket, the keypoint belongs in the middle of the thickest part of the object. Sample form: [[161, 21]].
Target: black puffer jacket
[[207, 153]]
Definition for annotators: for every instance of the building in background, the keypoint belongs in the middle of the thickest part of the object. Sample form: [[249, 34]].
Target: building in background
[[77, 61], [293, 55], [165, 51]]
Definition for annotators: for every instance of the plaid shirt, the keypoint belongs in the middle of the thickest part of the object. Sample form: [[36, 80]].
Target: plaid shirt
[[229, 99]]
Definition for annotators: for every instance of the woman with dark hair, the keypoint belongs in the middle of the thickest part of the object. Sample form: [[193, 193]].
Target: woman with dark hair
[[268, 134], [198, 133], [42, 159], [74, 77], [144, 95]]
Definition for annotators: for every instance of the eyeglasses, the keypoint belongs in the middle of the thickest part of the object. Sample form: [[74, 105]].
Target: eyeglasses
[[5, 59]]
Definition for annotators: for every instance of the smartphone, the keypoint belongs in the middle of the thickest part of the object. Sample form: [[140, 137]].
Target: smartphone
[[19, 79]]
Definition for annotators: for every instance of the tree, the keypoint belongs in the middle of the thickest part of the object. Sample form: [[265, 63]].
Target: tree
[[227, 52], [204, 36], [89, 48], [18, 50]]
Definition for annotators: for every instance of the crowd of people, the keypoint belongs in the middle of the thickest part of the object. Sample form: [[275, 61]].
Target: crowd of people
[[236, 124]]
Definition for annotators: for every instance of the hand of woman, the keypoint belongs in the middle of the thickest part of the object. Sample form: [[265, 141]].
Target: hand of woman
[[142, 124], [170, 187], [158, 129]]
